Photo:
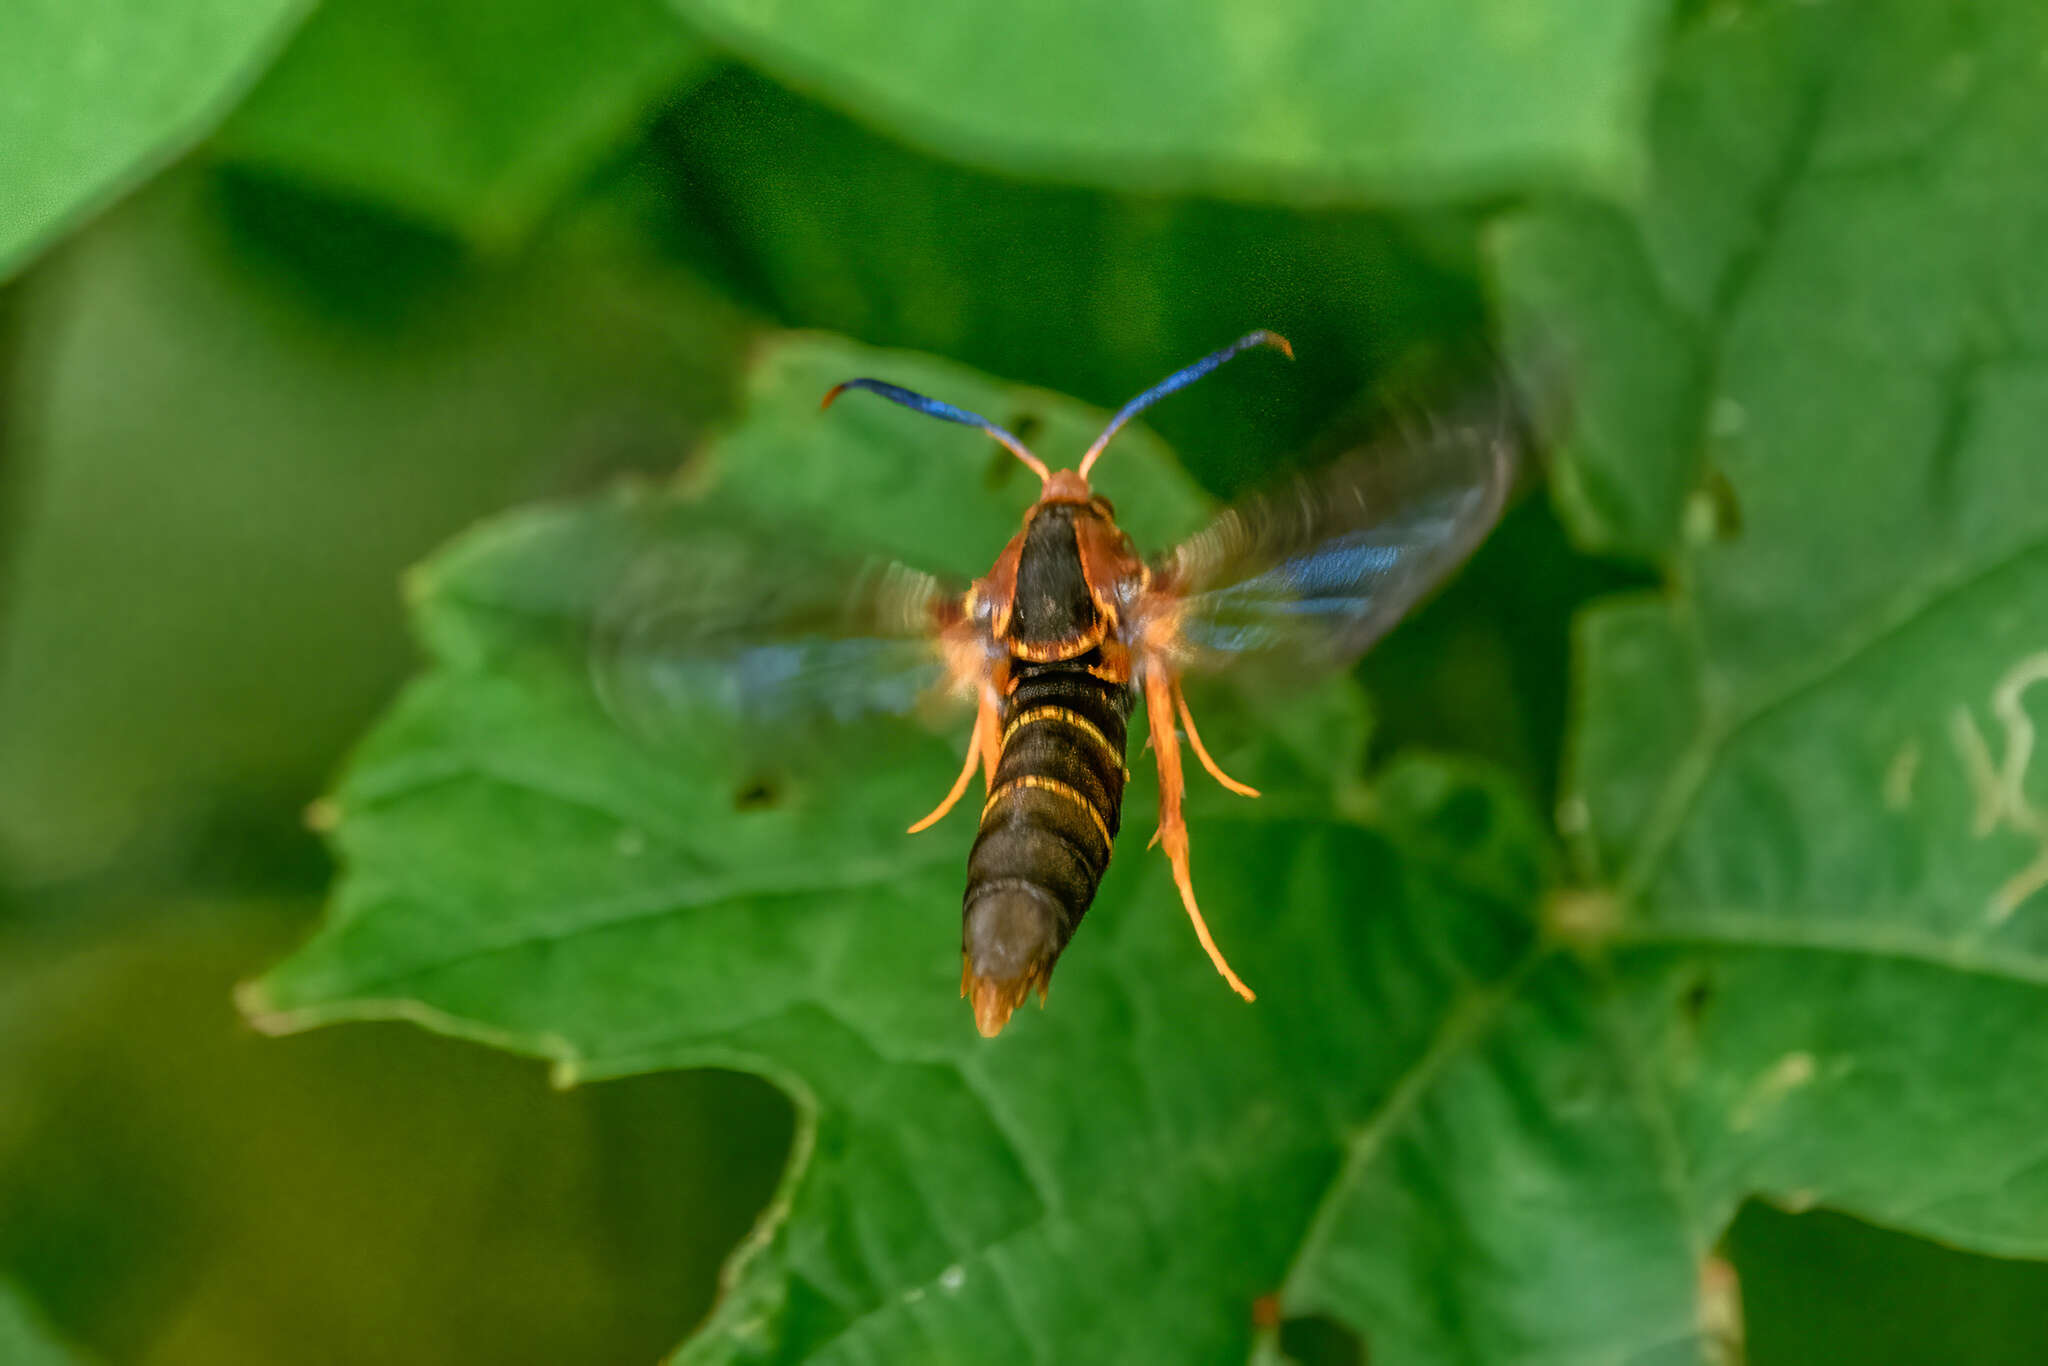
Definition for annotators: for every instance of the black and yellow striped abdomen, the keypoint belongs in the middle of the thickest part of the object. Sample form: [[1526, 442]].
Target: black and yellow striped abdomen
[[1048, 824]]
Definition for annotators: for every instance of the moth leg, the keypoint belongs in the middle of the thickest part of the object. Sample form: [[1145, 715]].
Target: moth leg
[[1160, 691], [1187, 722], [988, 726], [983, 746]]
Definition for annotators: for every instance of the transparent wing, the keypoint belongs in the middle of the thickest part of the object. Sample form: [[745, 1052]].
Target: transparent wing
[[730, 632], [1304, 579]]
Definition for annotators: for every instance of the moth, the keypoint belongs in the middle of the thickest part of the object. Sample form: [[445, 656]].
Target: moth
[[1071, 626]]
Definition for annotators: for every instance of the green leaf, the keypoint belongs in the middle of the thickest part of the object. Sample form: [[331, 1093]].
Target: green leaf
[[24, 1339], [522, 871], [469, 115], [1312, 100], [1843, 504], [1804, 777], [194, 407], [97, 94], [1802, 958]]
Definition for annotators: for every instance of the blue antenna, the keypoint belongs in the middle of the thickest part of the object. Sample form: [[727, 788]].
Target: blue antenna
[[1181, 379], [932, 407]]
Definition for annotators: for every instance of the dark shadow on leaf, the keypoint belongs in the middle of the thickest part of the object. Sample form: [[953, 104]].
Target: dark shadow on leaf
[[360, 265]]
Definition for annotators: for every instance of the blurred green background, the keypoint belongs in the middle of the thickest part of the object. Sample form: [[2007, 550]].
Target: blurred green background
[[351, 278]]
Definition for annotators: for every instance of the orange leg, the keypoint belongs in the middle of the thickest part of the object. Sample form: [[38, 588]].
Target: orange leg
[[983, 744], [1187, 721], [1160, 691]]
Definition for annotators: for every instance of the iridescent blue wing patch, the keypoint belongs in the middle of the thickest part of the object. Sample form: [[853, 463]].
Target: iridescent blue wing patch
[[726, 634], [1302, 580]]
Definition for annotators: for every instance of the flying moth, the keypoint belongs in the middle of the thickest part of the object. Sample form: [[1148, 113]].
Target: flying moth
[[1072, 626]]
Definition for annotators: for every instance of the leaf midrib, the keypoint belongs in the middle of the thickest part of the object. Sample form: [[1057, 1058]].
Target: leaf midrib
[[1469, 1019]]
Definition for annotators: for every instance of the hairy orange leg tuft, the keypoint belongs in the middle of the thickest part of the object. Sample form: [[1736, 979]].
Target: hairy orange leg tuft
[[1160, 692], [983, 745]]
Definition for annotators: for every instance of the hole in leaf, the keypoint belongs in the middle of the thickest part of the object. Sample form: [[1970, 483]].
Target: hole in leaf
[[1697, 996], [1316, 1340], [759, 794]]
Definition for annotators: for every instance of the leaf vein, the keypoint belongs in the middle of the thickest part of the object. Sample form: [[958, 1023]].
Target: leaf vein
[[1468, 1019], [1690, 774]]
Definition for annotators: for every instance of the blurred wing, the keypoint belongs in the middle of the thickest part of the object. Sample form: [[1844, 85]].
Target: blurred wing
[[1304, 579], [728, 632]]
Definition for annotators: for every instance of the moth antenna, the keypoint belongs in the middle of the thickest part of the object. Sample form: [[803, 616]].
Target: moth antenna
[[1181, 379], [932, 407]]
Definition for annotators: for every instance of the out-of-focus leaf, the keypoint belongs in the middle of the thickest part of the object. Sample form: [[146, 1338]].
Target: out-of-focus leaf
[[472, 115], [1308, 100], [25, 1340], [206, 1198], [186, 408], [96, 94], [1091, 292]]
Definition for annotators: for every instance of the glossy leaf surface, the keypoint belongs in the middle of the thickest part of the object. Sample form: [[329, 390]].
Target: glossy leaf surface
[[96, 94], [474, 117], [1305, 100]]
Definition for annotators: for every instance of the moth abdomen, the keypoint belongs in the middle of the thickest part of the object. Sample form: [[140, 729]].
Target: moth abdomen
[[1046, 832]]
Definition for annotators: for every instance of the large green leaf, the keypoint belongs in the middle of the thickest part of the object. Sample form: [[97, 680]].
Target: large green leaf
[[1306, 100], [1801, 959], [524, 872], [1803, 780], [472, 115], [95, 94]]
